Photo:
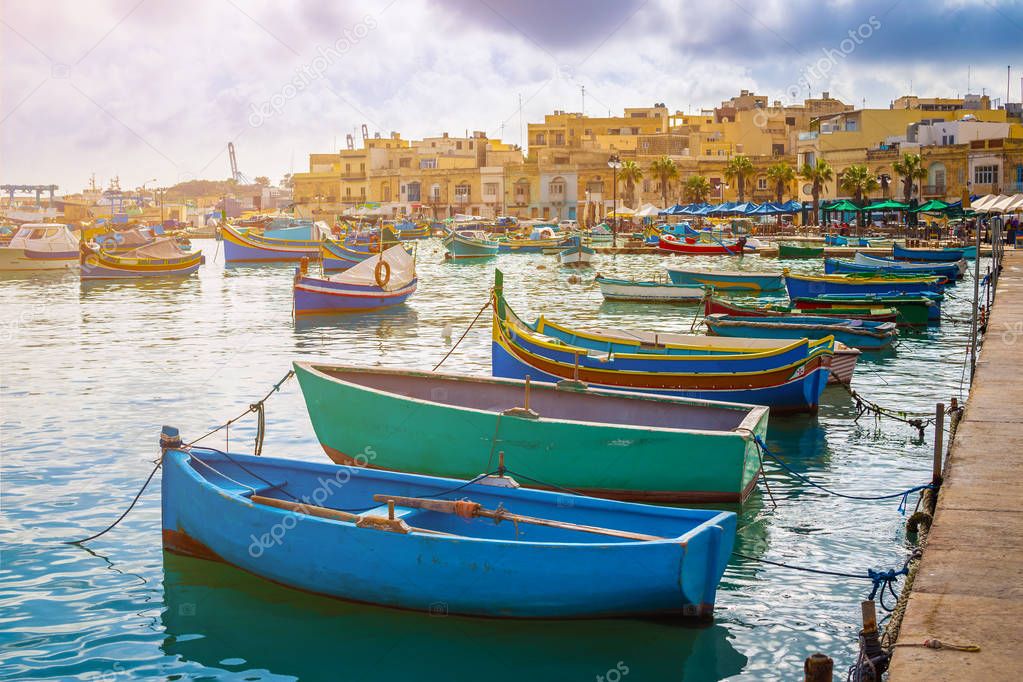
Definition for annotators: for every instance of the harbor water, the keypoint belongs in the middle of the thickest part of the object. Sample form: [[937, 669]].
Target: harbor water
[[89, 373]]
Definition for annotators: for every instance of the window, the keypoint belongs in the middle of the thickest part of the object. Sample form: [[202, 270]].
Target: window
[[427, 163], [362, 168], [595, 186], [412, 191], [541, 138], [348, 191], [561, 160], [490, 189], [761, 183], [470, 144], [1019, 173], [348, 168], [985, 175], [458, 145], [588, 132], [387, 193], [559, 138], [405, 163], [790, 120], [462, 193], [435, 192], [646, 185], [557, 187], [522, 191]]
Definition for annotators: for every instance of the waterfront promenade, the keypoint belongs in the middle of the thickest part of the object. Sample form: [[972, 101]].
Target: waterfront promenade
[[969, 588]]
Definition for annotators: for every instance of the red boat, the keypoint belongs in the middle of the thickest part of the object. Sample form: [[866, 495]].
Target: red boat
[[716, 305], [668, 242]]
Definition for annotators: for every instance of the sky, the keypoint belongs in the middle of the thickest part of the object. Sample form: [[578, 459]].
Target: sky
[[153, 90]]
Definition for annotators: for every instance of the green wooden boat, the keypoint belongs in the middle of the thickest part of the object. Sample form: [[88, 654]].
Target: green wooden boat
[[791, 251], [628, 446], [913, 311]]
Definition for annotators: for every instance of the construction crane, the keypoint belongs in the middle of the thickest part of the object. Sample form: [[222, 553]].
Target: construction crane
[[238, 176]]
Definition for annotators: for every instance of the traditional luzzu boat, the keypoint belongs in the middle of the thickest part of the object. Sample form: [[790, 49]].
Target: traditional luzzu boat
[[946, 255], [669, 242], [384, 280], [787, 376], [406, 229], [161, 258], [578, 255], [786, 251], [469, 244], [40, 246], [250, 247], [876, 314], [862, 334], [869, 264], [568, 436], [409, 541], [541, 238], [803, 286], [727, 281], [912, 309], [648, 292], [337, 254]]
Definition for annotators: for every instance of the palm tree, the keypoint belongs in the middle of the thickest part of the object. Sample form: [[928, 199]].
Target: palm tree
[[858, 181], [819, 174], [696, 189], [665, 170], [782, 175], [630, 173], [910, 168], [739, 167]]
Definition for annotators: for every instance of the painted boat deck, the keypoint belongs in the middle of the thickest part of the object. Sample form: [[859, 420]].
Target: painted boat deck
[[968, 588]]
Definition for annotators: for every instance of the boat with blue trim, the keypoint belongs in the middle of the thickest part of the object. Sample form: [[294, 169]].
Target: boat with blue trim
[[804, 286], [380, 281], [855, 333], [728, 281], [251, 247]]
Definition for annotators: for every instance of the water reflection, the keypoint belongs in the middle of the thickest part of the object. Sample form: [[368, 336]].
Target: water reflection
[[221, 617]]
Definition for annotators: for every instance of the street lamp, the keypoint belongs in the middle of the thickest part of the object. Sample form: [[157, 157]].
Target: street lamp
[[614, 163]]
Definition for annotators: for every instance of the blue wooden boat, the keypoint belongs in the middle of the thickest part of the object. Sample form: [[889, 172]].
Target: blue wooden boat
[[787, 376], [250, 247], [806, 286], [413, 542], [868, 264], [862, 334], [727, 281], [387, 279], [469, 244], [946, 255]]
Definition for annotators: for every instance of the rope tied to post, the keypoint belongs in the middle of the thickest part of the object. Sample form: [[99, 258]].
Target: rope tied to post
[[904, 494], [919, 421]]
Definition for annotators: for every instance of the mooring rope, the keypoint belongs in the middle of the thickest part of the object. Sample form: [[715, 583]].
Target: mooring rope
[[795, 474], [254, 407], [918, 420], [464, 334]]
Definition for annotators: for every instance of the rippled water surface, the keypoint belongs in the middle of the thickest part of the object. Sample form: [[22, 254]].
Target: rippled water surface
[[89, 374]]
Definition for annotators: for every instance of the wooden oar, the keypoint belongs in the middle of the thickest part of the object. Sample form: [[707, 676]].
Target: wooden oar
[[378, 522], [470, 509]]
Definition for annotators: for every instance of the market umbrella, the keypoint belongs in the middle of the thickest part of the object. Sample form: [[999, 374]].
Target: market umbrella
[[886, 205], [932, 206]]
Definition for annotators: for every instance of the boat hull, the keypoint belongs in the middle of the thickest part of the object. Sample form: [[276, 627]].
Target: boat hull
[[836, 266], [911, 312], [648, 292], [504, 571], [799, 286], [420, 434], [875, 313], [882, 336], [466, 247], [682, 247], [745, 282], [933, 255], [314, 296], [19, 260], [785, 251], [246, 248]]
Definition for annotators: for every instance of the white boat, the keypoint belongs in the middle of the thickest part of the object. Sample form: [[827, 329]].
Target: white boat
[[577, 256], [649, 292], [40, 246]]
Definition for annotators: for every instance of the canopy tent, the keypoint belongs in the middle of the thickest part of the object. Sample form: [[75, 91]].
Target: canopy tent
[[791, 206], [932, 206], [886, 205], [672, 210], [622, 212], [722, 209], [843, 205], [744, 208], [767, 208], [647, 210], [998, 203]]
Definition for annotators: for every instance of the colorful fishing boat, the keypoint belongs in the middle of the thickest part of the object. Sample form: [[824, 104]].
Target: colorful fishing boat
[[407, 230], [862, 334], [787, 251], [728, 281], [691, 247], [877, 314], [648, 292], [803, 286], [40, 246], [541, 238], [946, 255], [469, 244], [412, 542], [680, 450], [786, 376], [577, 255], [161, 258], [384, 280], [250, 247], [869, 264], [913, 309]]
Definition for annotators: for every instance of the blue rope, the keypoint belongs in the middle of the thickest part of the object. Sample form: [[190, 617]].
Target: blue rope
[[904, 494]]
